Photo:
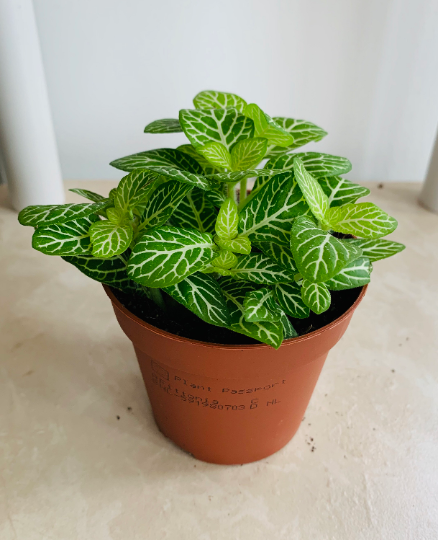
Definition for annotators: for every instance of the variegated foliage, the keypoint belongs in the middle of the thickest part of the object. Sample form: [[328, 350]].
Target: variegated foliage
[[251, 264]]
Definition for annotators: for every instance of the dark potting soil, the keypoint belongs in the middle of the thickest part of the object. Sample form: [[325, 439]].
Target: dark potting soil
[[182, 322]]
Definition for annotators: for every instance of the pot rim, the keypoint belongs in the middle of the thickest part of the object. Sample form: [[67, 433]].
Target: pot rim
[[208, 345]]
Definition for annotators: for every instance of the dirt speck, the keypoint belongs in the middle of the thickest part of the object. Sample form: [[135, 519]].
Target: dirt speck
[[380, 186], [392, 370], [118, 417], [312, 449], [129, 408]]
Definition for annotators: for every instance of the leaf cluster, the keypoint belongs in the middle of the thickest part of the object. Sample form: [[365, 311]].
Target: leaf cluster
[[182, 221]]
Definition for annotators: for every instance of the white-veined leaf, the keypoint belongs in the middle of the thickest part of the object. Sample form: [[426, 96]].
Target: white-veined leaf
[[240, 244], [302, 131], [211, 99], [110, 239], [260, 305], [235, 176], [90, 195], [161, 157], [248, 153], [226, 126], [162, 203], [258, 268], [317, 254], [182, 176], [268, 215], [43, 215], [70, 238], [376, 249], [225, 259], [133, 189], [282, 255], [316, 164], [312, 191], [195, 211], [216, 197], [202, 295], [227, 220], [216, 154], [289, 298], [266, 332], [341, 191], [166, 125], [355, 274], [362, 219], [288, 330], [166, 255], [207, 167], [266, 127], [316, 296], [109, 271]]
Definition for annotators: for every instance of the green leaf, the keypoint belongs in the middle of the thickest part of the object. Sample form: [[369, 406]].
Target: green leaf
[[40, 215], [362, 219], [340, 190], [258, 268], [355, 274], [288, 296], [248, 153], [90, 195], [316, 296], [240, 244], [162, 204], [166, 255], [110, 239], [266, 332], [302, 131], [216, 154], [318, 255], [182, 176], [210, 99], [376, 249], [216, 197], [225, 126], [312, 191], [225, 259], [70, 238], [195, 211], [266, 127], [260, 305], [227, 220], [166, 125], [268, 216], [282, 255], [133, 189], [316, 164], [161, 157], [207, 167], [109, 271], [202, 295], [235, 176], [288, 330]]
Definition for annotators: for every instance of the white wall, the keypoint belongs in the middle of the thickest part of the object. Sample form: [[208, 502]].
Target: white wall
[[365, 70]]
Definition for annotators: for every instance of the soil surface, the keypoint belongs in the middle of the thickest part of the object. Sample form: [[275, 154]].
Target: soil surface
[[182, 322]]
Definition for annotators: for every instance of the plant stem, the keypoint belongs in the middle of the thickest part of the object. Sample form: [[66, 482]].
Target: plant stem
[[242, 190], [232, 192], [156, 296]]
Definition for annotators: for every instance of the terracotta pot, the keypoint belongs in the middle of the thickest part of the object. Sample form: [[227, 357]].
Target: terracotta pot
[[229, 404]]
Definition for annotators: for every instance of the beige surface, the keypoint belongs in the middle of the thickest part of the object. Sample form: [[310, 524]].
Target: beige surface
[[70, 470]]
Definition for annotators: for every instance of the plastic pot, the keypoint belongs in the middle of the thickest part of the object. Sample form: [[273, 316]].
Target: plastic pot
[[229, 404]]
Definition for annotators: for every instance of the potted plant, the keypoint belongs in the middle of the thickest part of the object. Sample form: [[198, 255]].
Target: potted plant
[[231, 297]]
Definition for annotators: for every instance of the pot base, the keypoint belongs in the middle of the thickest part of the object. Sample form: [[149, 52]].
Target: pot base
[[228, 421]]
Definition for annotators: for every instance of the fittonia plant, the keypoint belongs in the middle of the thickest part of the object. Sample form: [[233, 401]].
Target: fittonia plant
[[251, 263]]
